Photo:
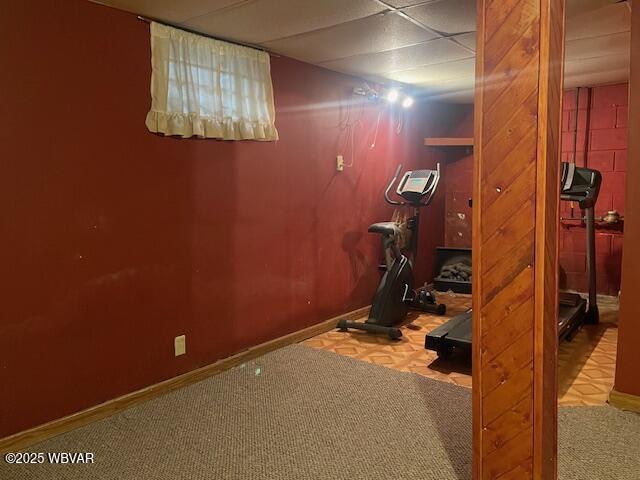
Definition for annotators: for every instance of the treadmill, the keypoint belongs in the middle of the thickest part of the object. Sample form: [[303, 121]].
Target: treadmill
[[577, 184]]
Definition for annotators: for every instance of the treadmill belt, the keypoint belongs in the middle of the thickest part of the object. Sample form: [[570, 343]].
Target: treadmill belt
[[456, 332], [569, 318], [462, 333]]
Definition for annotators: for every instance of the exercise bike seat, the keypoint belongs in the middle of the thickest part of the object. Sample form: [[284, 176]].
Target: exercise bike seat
[[385, 228]]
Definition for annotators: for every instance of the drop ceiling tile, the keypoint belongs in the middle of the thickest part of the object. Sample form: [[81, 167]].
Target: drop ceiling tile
[[435, 51], [467, 39], [458, 91], [451, 85], [367, 35], [615, 44], [612, 19], [266, 20], [576, 7], [446, 16], [406, 3], [170, 10], [597, 65], [435, 74]]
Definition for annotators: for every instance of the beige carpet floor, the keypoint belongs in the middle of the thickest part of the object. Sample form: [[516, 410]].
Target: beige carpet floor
[[301, 413]]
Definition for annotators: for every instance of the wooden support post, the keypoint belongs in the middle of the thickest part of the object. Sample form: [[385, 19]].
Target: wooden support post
[[627, 389], [520, 48]]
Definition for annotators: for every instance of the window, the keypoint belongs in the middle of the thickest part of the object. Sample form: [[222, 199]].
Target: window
[[207, 88]]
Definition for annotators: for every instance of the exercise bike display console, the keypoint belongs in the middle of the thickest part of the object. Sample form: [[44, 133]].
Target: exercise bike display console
[[395, 294], [577, 184]]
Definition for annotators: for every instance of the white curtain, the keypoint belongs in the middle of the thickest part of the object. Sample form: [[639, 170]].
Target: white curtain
[[207, 88]]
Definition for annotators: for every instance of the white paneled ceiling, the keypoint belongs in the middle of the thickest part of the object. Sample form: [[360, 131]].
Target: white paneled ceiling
[[428, 44], [437, 51], [448, 16], [265, 20], [171, 10], [369, 35]]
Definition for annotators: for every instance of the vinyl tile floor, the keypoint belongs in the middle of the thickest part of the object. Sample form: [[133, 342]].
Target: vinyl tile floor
[[586, 364]]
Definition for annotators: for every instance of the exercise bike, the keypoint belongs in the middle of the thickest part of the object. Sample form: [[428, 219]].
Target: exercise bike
[[396, 294]]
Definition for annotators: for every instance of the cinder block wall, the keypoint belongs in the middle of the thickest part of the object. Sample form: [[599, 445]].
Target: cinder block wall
[[602, 141]]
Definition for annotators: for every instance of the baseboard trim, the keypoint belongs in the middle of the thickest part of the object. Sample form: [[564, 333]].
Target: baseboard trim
[[624, 401], [51, 429]]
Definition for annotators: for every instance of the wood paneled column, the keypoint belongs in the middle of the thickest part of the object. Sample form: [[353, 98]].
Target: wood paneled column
[[627, 388], [515, 237]]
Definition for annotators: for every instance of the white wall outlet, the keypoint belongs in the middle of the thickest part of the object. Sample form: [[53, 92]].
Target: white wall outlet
[[180, 345], [339, 163]]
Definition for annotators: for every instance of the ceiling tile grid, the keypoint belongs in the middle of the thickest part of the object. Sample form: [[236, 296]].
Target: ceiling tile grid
[[381, 63], [171, 10], [267, 20], [429, 44], [431, 75], [448, 17], [377, 33]]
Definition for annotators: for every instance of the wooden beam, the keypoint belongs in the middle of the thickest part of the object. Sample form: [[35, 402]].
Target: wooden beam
[[515, 228], [628, 355]]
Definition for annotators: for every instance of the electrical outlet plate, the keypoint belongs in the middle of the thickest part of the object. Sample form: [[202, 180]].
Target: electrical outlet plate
[[340, 163], [180, 345]]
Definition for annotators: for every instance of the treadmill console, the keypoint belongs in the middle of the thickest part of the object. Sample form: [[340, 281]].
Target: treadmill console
[[578, 184], [417, 184]]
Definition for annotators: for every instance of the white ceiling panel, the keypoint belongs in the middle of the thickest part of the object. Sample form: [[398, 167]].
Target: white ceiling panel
[[374, 40], [368, 35], [435, 51], [452, 85], [584, 48], [596, 65], [171, 10], [459, 90], [446, 16], [467, 39], [596, 23], [577, 7], [406, 3], [266, 20], [438, 73]]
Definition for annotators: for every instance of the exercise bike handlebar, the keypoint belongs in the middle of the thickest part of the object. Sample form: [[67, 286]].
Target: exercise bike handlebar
[[391, 183], [432, 190]]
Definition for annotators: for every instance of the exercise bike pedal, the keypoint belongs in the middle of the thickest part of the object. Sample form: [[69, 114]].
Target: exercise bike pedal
[[425, 300], [441, 309]]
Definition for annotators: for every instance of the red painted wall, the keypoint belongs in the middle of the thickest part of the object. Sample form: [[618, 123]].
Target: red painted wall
[[606, 151], [459, 181], [116, 240]]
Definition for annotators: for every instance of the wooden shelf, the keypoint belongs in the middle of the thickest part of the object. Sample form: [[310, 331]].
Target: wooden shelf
[[448, 142], [571, 223]]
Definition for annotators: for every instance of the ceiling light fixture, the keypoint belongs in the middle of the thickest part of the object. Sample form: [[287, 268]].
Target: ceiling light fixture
[[392, 95], [407, 102]]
